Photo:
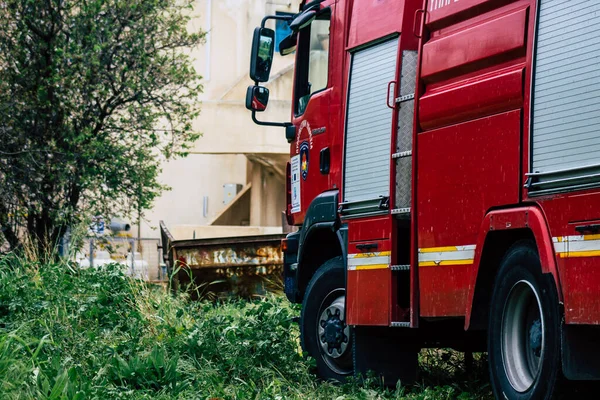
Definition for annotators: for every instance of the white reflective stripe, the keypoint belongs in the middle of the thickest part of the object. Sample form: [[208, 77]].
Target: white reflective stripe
[[369, 260], [559, 247], [577, 246], [587, 245], [447, 256]]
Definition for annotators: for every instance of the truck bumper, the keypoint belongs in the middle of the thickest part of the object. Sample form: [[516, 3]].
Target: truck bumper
[[290, 268]]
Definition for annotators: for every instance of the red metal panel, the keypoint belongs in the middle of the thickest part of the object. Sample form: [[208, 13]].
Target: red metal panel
[[382, 245], [582, 290], [464, 170], [490, 94], [440, 10], [444, 292], [369, 229], [472, 46], [374, 19], [368, 297], [368, 292]]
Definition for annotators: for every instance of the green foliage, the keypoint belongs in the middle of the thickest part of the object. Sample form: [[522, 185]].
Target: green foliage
[[93, 96], [96, 334]]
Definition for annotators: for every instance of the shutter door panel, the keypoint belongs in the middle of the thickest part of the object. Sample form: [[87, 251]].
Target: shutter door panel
[[566, 95], [369, 123]]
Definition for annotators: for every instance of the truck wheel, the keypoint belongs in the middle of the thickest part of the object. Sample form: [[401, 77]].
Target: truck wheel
[[325, 335], [524, 328]]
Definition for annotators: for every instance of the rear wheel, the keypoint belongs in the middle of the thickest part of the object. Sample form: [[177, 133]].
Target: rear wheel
[[325, 335], [524, 328]]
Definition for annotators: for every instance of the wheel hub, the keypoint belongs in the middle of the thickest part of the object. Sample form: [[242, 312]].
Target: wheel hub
[[535, 337], [334, 334], [522, 336]]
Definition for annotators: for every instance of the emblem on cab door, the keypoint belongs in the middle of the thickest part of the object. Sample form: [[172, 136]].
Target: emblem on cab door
[[304, 147]]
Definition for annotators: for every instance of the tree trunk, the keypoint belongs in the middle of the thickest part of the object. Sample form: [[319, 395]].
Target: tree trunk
[[7, 230]]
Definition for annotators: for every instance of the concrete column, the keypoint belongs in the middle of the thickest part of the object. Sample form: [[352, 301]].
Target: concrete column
[[256, 197]]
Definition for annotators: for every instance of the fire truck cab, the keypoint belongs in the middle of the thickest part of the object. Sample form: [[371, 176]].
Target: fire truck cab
[[445, 176]]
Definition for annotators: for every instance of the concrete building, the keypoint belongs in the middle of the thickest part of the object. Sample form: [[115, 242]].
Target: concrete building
[[233, 182]]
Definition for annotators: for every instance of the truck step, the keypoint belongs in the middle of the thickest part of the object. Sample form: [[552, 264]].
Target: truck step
[[402, 154], [401, 213], [400, 325], [403, 267], [404, 98]]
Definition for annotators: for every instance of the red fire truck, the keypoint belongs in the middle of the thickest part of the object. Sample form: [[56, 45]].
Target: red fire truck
[[445, 176]]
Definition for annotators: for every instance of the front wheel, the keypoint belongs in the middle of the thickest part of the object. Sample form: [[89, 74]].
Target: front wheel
[[524, 329], [325, 335]]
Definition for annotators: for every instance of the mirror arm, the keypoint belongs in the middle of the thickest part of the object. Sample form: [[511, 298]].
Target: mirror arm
[[276, 17], [278, 124]]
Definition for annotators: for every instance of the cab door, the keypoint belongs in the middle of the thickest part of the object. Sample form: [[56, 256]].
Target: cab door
[[314, 88]]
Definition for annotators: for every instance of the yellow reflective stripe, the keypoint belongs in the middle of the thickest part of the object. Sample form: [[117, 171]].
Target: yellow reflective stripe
[[368, 267], [445, 263], [438, 249], [591, 253]]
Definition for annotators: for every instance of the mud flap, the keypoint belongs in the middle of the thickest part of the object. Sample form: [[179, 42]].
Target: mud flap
[[581, 352], [389, 353]]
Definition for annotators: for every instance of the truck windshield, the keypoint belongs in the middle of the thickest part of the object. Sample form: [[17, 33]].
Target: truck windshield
[[313, 61]]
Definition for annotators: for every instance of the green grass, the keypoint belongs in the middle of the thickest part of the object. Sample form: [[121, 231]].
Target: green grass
[[96, 334]]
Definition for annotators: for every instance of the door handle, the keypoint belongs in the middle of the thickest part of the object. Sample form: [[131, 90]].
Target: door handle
[[387, 100], [418, 27], [592, 228], [324, 160], [366, 246]]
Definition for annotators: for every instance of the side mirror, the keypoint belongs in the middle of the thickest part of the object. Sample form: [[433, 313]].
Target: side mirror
[[257, 98], [263, 45]]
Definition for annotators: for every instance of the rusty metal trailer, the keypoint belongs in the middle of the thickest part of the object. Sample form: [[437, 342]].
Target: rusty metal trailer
[[218, 267]]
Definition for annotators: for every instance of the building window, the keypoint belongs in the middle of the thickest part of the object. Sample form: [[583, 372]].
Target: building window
[[282, 29]]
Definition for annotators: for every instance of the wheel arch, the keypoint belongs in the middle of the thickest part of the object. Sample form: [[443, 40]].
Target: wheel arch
[[500, 230], [320, 239], [321, 244]]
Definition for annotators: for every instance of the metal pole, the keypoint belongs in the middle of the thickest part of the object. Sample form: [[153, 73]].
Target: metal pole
[[132, 261], [91, 252]]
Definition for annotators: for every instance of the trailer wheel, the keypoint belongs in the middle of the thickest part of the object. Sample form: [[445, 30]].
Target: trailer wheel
[[524, 328], [325, 335]]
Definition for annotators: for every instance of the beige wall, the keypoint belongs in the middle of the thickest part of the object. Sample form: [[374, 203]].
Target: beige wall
[[191, 179], [232, 149]]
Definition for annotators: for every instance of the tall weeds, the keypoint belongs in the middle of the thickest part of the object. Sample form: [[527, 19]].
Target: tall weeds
[[67, 333]]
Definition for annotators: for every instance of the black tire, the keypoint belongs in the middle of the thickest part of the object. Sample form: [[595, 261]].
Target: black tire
[[524, 328], [324, 333]]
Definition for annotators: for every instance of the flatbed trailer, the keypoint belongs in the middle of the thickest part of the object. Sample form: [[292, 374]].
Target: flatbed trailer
[[241, 266]]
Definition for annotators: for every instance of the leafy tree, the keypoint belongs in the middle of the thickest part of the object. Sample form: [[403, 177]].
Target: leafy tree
[[94, 94]]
